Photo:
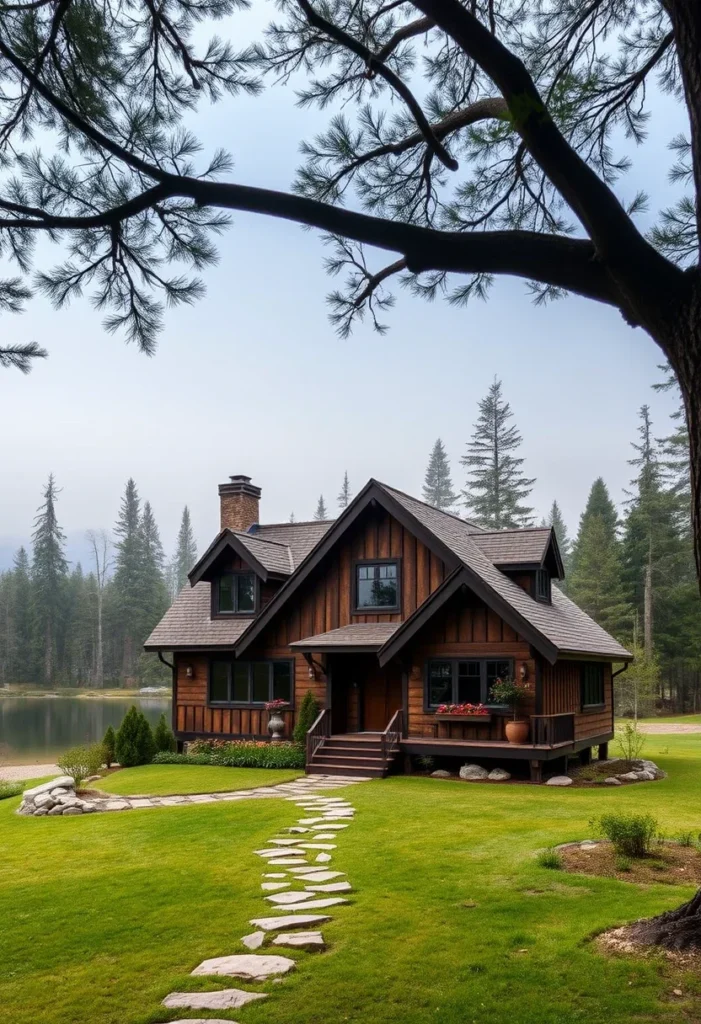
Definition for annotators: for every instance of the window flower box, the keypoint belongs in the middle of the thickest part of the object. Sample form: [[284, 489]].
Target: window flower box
[[472, 713]]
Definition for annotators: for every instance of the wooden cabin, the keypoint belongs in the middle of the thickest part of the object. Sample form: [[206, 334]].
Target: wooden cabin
[[386, 614]]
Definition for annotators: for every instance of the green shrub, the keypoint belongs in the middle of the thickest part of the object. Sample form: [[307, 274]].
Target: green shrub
[[8, 789], [244, 754], [623, 864], [632, 835], [306, 716], [630, 741], [135, 743], [80, 762], [109, 741], [426, 763], [549, 859], [685, 838], [163, 736]]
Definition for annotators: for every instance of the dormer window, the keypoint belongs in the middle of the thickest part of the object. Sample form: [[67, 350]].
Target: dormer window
[[542, 586], [236, 593]]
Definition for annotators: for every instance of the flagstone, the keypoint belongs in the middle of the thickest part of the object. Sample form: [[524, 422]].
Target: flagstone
[[331, 887], [284, 842], [323, 858], [332, 901], [322, 876], [249, 966], [324, 835], [285, 898], [300, 940], [224, 999], [286, 860], [328, 824], [309, 821], [318, 846], [274, 886], [254, 940], [276, 924]]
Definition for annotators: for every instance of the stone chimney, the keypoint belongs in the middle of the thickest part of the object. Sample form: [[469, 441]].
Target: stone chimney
[[239, 501]]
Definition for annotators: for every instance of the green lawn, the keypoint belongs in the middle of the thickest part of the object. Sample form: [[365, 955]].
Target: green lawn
[[452, 921], [164, 779]]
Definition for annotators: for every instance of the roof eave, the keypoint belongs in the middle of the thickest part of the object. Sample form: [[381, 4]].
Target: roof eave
[[226, 539]]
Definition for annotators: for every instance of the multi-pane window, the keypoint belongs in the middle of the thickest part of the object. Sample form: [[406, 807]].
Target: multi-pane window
[[250, 682], [453, 681], [237, 592], [592, 685], [377, 585], [542, 585]]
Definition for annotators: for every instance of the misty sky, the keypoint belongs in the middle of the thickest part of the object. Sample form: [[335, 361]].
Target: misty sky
[[253, 379]]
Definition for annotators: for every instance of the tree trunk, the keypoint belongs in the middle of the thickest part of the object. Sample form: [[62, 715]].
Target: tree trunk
[[675, 929], [99, 667], [647, 609]]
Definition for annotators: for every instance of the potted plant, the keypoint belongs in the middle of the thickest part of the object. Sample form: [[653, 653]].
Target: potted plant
[[513, 694], [276, 723]]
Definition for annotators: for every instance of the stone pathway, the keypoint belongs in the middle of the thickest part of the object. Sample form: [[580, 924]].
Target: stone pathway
[[20, 772], [301, 862], [58, 797]]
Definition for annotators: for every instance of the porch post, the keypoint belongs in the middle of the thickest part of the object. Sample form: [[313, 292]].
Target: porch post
[[585, 756], [603, 751], [536, 771]]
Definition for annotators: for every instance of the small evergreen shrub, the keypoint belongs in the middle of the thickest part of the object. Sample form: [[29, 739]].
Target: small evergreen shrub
[[135, 743], [549, 859], [308, 712], [623, 864], [244, 754], [426, 764], [630, 741], [8, 789], [80, 762], [163, 736], [632, 835], [109, 741], [685, 838]]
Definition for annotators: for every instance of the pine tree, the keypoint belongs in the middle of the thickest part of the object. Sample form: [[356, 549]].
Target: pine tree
[[292, 518], [496, 487], [49, 573], [321, 512], [22, 666], [438, 486], [344, 495], [564, 543], [185, 552], [596, 574], [163, 736], [128, 579], [153, 595]]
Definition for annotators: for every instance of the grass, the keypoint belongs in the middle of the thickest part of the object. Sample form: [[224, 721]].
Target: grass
[[165, 779], [453, 921]]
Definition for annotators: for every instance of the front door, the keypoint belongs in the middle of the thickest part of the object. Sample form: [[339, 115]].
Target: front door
[[381, 696]]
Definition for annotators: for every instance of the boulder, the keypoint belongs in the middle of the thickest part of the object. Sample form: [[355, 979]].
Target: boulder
[[499, 775], [72, 810], [88, 808], [59, 791], [58, 809], [629, 776], [612, 781], [45, 800], [40, 812], [646, 777], [440, 774], [473, 771], [559, 780], [46, 787]]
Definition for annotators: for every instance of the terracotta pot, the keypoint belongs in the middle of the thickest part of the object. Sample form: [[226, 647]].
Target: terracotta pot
[[516, 732]]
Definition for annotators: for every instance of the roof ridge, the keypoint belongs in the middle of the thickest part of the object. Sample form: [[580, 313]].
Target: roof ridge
[[514, 529], [302, 522], [263, 540], [450, 515]]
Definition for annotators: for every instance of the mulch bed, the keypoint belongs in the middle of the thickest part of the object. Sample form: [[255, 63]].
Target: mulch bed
[[670, 864], [593, 774]]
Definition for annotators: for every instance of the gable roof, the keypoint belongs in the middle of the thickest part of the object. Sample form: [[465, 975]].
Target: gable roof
[[277, 549], [300, 538], [515, 547], [188, 624]]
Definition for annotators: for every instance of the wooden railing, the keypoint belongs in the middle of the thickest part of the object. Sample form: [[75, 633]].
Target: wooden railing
[[390, 738], [320, 730], [551, 730]]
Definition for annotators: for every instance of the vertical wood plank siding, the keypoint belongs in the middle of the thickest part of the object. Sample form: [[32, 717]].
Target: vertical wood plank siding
[[562, 692]]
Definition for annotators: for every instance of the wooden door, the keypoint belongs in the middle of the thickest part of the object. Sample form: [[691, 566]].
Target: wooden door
[[382, 696]]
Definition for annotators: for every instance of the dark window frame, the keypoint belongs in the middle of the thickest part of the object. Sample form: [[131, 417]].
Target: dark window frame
[[542, 592], [230, 662], [584, 685], [217, 613], [379, 609], [428, 707]]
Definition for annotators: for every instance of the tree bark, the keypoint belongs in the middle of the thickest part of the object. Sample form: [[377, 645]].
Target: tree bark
[[675, 929], [647, 609]]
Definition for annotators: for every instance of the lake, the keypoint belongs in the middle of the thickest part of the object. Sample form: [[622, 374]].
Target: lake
[[37, 729]]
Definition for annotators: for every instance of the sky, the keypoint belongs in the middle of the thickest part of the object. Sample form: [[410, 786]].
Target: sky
[[252, 379]]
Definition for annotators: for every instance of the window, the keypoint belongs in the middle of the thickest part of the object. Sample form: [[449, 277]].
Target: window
[[236, 593], [592, 685], [466, 681], [377, 585], [542, 585], [250, 682]]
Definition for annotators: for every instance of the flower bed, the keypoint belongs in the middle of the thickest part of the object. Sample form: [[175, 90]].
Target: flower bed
[[242, 754], [446, 712]]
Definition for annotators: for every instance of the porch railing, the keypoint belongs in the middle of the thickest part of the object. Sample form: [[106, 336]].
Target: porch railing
[[551, 730], [389, 739], [320, 730]]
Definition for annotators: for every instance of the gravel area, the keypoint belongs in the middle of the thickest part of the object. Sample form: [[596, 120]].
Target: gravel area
[[667, 728], [20, 772]]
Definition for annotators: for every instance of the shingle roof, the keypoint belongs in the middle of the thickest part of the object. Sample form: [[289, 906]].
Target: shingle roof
[[300, 538], [188, 623], [273, 554], [514, 547], [357, 634]]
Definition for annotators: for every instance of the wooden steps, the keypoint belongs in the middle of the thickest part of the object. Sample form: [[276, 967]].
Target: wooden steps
[[353, 754]]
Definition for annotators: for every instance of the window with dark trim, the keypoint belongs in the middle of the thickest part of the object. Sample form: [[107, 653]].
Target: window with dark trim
[[236, 593], [250, 682], [377, 585], [542, 585], [593, 685], [464, 680]]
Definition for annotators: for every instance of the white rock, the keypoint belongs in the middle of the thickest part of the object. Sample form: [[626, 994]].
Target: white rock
[[72, 810], [68, 800], [275, 874], [284, 842], [331, 887], [322, 858], [559, 780], [297, 828], [276, 924], [92, 778], [279, 852], [274, 886], [45, 800], [45, 787], [309, 821], [61, 791], [300, 940], [646, 776], [588, 845], [117, 805], [441, 774], [249, 966], [254, 940], [89, 808], [285, 898], [224, 999], [328, 825], [473, 771], [323, 835], [612, 781], [318, 846], [321, 876], [629, 776], [55, 811], [332, 901], [499, 775], [40, 812], [286, 861]]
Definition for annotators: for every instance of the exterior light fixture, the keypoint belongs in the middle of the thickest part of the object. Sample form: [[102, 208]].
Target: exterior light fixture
[[189, 671], [523, 672]]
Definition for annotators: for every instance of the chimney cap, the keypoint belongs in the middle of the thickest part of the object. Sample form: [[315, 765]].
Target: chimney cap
[[240, 484], [240, 478]]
